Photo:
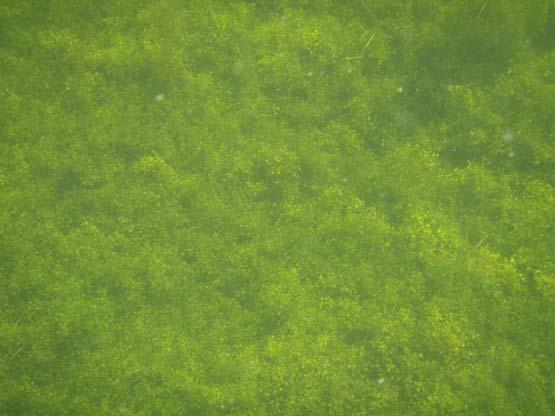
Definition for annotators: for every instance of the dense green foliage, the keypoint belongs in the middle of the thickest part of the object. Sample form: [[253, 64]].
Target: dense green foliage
[[277, 207]]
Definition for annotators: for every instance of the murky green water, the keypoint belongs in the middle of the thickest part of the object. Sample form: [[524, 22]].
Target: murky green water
[[277, 207]]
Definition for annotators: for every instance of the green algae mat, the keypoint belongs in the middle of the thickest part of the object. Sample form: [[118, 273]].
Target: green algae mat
[[277, 207]]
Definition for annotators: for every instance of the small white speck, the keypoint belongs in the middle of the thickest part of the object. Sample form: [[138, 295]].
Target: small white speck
[[508, 136], [159, 97], [310, 74], [381, 380], [400, 90]]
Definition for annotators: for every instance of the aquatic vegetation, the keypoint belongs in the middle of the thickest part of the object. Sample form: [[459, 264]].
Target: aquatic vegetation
[[272, 208]]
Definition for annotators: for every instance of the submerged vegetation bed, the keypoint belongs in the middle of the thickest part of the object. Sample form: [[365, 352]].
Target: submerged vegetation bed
[[277, 207]]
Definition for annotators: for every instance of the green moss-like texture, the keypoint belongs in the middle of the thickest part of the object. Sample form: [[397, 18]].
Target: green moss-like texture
[[277, 207]]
